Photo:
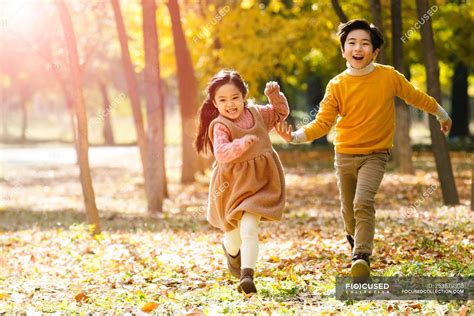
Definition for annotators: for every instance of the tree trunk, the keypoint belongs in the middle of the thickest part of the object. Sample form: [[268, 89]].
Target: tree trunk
[[460, 101], [155, 109], [68, 98], [161, 93], [439, 145], [72, 119], [376, 10], [204, 163], [46, 54], [337, 8], [188, 97], [107, 131], [402, 150], [24, 115], [472, 187], [132, 88], [83, 143], [5, 133]]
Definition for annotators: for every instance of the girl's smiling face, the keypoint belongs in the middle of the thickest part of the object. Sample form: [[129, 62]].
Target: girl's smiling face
[[229, 101], [358, 49]]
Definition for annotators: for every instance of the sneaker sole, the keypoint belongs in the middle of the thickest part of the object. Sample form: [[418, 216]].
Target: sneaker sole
[[360, 269]]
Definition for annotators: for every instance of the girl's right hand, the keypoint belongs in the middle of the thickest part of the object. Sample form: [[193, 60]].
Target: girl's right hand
[[250, 139], [272, 87], [284, 130]]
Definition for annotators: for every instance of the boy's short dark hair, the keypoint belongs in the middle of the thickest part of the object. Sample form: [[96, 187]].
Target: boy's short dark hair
[[360, 24]]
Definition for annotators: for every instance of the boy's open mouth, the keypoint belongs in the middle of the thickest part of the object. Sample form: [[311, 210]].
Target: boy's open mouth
[[358, 57], [231, 111]]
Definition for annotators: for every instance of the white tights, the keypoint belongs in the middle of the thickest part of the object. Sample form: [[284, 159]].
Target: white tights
[[245, 238]]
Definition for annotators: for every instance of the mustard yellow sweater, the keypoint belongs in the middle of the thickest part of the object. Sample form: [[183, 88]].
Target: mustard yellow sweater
[[365, 110]]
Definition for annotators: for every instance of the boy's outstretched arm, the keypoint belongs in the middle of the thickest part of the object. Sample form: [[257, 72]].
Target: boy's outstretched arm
[[423, 101], [320, 126], [317, 128], [324, 120]]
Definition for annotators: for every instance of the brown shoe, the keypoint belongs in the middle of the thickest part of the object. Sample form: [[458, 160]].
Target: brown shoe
[[360, 268], [233, 262], [246, 284]]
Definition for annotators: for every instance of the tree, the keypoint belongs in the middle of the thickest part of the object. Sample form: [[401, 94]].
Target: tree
[[472, 187], [460, 101], [402, 152], [456, 52], [107, 130], [338, 9], [155, 110], [69, 99], [4, 111], [438, 141], [376, 10], [25, 97], [19, 72], [132, 87], [83, 142], [45, 52], [187, 94]]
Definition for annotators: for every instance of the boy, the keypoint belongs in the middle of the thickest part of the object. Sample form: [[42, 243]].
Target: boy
[[362, 97]]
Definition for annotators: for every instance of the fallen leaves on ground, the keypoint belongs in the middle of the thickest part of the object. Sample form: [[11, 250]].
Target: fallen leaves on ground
[[149, 307], [174, 263]]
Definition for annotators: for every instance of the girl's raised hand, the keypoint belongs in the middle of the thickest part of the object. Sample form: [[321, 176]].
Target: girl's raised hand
[[271, 88], [284, 130]]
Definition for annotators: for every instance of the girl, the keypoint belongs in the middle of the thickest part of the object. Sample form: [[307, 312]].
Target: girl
[[247, 183]]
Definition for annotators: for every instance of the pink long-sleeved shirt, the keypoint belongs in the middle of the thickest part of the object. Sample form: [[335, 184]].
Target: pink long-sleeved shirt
[[226, 149]]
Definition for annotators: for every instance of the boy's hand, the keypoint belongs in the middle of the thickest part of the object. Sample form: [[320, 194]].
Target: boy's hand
[[284, 130], [446, 126], [272, 87]]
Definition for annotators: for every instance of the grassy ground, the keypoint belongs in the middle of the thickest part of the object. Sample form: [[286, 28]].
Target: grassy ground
[[173, 263]]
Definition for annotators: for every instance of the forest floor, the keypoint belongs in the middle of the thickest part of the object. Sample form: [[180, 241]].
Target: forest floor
[[173, 263]]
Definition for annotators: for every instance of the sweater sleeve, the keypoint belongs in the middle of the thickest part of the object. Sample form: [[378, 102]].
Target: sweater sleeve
[[414, 96], [276, 111], [226, 150], [325, 118]]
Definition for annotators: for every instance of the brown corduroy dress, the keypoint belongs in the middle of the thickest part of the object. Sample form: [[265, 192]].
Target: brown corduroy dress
[[253, 182]]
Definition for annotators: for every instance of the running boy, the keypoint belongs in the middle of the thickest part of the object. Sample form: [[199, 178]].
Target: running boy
[[361, 97]]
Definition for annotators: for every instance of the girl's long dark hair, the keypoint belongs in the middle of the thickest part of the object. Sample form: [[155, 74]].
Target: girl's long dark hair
[[209, 112]]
